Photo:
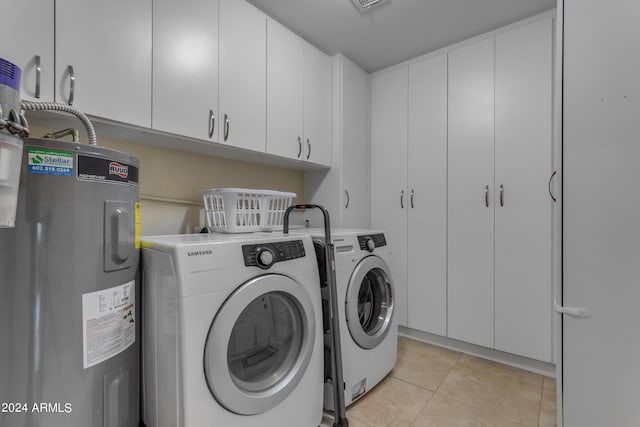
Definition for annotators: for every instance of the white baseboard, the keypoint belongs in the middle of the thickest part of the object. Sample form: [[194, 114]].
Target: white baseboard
[[542, 368]]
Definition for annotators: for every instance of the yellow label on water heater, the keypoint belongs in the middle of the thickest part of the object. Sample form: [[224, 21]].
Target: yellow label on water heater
[[137, 225]]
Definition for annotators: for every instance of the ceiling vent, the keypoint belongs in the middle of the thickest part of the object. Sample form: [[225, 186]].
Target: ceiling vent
[[367, 5]]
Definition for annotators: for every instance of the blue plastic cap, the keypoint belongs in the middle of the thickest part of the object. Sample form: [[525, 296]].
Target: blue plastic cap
[[9, 74]]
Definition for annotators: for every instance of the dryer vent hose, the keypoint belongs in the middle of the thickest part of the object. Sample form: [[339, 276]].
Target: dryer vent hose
[[51, 106]]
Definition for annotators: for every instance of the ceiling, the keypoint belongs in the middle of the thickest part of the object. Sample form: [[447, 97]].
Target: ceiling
[[397, 30]]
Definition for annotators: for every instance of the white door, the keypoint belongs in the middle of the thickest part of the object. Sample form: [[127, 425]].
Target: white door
[[522, 203], [105, 46], [27, 34], [427, 185], [317, 105], [185, 68], [284, 92], [389, 196], [601, 233], [471, 195], [243, 67]]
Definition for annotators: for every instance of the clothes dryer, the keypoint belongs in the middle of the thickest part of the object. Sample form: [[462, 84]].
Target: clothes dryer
[[230, 331], [368, 328]]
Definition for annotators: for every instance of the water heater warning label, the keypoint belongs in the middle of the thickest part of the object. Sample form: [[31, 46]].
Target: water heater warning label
[[50, 162], [108, 323]]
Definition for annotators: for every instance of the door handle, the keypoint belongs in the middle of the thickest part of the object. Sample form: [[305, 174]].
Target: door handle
[[501, 195], [346, 205], [72, 84], [572, 311], [309, 148], [412, 198], [486, 195], [38, 73], [226, 127], [299, 146], [550, 192], [212, 123], [402, 199]]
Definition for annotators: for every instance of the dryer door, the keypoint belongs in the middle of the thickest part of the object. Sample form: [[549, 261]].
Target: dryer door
[[259, 344], [369, 302]]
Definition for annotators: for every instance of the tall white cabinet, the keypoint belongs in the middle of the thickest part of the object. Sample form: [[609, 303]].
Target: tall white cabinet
[[105, 76], [523, 220], [30, 49], [345, 189], [389, 198], [461, 159], [409, 186], [471, 195], [427, 203], [499, 244]]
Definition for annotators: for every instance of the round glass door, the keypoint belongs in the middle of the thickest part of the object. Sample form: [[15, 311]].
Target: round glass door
[[259, 344], [369, 305]]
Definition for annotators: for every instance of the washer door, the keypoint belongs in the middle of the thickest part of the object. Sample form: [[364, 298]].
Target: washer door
[[369, 304], [259, 344]]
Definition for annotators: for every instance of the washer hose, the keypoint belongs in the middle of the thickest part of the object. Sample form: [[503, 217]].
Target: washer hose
[[52, 106]]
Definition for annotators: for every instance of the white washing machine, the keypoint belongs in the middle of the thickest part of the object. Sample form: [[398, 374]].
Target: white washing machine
[[231, 331], [368, 328]]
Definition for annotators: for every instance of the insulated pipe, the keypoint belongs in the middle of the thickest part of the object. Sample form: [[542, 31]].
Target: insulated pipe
[[339, 415], [51, 106]]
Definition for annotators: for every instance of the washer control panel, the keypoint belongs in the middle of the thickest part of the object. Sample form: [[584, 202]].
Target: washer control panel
[[264, 255], [371, 241]]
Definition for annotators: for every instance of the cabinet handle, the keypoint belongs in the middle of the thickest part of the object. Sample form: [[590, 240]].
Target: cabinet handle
[[412, 198], [486, 195], [309, 148], [501, 195], [38, 72], [212, 123], [226, 127], [402, 199], [550, 192], [299, 146], [346, 205], [72, 84]]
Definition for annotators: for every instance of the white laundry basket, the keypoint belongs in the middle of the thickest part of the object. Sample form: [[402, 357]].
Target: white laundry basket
[[243, 210]]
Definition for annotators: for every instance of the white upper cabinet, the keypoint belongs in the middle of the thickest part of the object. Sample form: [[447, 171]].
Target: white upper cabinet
[[185, 68], [30, 47], [103, 58], [243, 67], [427, 199], [298, 97], [523, 90], [317, 105], [285, 132], [471, 196]]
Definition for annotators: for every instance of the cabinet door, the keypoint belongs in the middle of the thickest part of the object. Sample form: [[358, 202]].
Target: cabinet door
[[523, 166], [388, 173], [243, 66], [25, 45], [284, 92], [108, 44], [355, 190], [470, 199], [427, 185], [317, 106], [185, 68]]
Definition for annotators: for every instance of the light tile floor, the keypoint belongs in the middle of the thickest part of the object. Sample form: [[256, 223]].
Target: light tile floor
[[435, 387]]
